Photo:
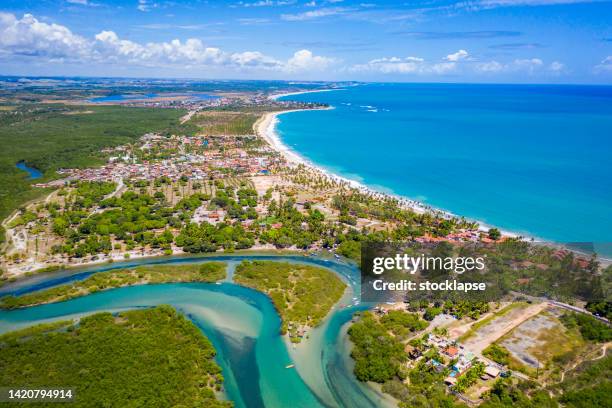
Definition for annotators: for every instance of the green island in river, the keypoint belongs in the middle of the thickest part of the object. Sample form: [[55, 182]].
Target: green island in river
[[302, 294], [145, 274], [147, 358]]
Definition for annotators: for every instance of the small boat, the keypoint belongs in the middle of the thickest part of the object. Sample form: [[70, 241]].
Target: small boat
[[290, 366]]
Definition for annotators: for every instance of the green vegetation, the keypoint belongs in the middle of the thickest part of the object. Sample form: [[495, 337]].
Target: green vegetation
[[589, 385], [378, 355], [33, 330], [494, 234], [508, 393], [497, 353], [590, 328], [145, 274], [147, 358], [302, 294], [401, 324], [377, 344], [215, 122], [603, 309], [50, 137], [470, 377]]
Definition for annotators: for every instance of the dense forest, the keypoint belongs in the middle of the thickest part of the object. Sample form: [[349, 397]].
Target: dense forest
[[141, 358]]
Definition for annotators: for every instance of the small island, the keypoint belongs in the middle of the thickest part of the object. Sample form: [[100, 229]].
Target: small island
[[152, 358], [207, 272], [302, 294]]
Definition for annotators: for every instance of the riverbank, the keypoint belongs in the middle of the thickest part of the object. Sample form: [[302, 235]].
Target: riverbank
[[242, 325], [142, 275]]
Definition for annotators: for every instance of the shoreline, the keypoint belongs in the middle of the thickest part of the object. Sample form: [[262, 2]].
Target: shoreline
[[265, 127], [281, 95]]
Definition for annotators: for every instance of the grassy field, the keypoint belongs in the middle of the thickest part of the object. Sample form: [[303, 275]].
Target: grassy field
[[49, 137], [231, 120], [225, 123], [302, 294], [142, 358], [146, 274]]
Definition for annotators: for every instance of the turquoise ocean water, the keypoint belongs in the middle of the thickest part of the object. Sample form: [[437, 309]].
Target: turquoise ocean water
[[531, 159]]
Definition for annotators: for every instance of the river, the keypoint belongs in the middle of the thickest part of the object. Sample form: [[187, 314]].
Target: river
[[243, 326]]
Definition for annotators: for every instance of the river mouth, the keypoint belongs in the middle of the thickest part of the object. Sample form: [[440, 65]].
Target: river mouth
[[241, 323]]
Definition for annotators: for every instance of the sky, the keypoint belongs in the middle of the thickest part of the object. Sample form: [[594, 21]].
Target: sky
[[500, 41]]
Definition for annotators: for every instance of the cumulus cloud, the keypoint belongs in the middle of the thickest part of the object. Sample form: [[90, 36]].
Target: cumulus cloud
[[407, 65], [413, 65], [389, 65], [491, 66], [458, 56], [556, 67], [304, 60], [528, 65], [27, 37]]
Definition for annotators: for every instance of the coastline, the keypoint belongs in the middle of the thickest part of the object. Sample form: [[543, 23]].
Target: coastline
[[281, 95], [265, 127]]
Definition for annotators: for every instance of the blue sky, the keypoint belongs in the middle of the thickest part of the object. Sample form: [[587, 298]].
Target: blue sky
[[528, 41]]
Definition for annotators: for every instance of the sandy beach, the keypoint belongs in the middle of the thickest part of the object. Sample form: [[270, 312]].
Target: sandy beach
[[265, 128]]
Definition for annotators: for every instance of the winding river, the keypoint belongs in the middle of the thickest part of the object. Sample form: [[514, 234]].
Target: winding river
[[243, 326]]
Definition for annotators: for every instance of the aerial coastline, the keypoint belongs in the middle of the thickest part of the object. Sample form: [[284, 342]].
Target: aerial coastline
[[266, 126]]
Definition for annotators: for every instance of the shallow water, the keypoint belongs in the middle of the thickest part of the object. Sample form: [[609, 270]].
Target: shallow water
[[244, 328]]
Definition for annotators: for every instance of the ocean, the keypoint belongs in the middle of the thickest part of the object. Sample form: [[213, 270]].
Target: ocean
[[530, 159]]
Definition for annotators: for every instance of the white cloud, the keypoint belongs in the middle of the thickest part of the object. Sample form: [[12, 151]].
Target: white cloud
[[528, 65], [443, 68], [491, 66], [413, 65], [556, 67], [145, 5], [304, 60], [314, 14], [605, 65], [82, 2], [476, 5], [264, 3], [253, 21], [458, 56], [28, 38], [392, 65]]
